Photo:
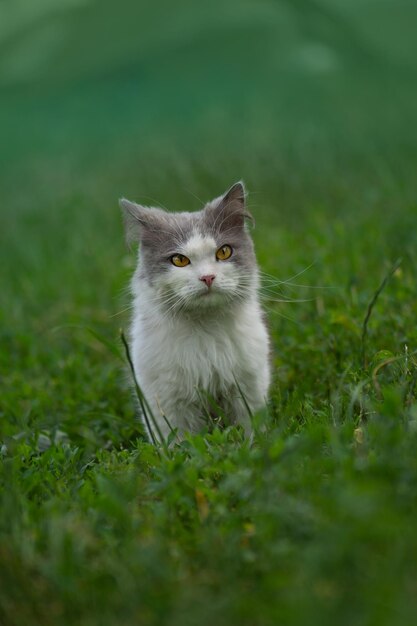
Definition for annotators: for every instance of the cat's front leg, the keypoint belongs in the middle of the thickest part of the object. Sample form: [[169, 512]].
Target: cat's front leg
[[174, 418], [241, 414], [249, 395]]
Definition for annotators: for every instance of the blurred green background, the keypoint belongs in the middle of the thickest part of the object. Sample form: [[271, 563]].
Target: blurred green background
[[93, 80]]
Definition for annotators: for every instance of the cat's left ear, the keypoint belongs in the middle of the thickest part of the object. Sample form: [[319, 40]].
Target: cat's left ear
[[141, 222], [229, 211]]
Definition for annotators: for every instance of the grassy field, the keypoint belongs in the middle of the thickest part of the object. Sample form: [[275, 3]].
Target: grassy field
[[314, 522]]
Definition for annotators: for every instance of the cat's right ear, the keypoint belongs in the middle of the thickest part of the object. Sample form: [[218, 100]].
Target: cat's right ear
[[136, 218]]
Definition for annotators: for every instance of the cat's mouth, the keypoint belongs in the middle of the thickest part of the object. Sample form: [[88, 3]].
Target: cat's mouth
[[208, 297], [209, 292]]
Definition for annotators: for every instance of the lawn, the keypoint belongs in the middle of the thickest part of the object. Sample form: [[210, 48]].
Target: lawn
[[313, 522]]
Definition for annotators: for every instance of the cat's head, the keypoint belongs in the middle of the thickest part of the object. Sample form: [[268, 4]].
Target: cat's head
[[195, 261]]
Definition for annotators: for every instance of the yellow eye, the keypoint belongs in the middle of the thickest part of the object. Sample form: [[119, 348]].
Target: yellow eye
[[179, 260], [224, 253]]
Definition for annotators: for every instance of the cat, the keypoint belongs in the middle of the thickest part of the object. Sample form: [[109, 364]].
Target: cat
[[198, 340]]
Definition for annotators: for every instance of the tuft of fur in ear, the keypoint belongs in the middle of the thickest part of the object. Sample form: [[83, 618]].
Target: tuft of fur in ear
[[236, 193], [138, 220], [131, 220], [229, 210]]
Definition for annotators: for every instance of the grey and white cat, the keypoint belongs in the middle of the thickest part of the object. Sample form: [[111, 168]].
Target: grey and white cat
[[198, 338]]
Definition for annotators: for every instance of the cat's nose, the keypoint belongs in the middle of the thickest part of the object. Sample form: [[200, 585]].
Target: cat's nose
[[208, 279]]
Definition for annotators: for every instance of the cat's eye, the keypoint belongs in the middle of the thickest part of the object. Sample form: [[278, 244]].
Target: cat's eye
[[224, 253], [179, 260]]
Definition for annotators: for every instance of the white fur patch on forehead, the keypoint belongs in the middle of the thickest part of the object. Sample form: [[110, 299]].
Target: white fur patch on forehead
[[199, 246]]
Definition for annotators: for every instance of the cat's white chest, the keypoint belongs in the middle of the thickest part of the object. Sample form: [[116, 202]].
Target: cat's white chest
[[206, 354], [175, 362], [189, 353]]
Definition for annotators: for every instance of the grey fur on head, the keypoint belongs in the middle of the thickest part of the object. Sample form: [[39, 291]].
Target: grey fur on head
[[146, 224], [161, 234]]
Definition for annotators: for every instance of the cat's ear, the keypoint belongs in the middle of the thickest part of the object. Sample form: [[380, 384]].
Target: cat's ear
[[236, 194], [229, 211], [137, 219]]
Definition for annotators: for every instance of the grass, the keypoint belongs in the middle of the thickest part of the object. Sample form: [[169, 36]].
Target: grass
[[315, 518], [314, 521]]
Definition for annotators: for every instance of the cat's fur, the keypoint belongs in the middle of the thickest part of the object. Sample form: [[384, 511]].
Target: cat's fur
[[195, 346]]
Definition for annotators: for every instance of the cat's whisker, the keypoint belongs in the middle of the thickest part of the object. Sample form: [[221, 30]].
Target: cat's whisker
[[280, 314], [177, 308], [292, 285], [175, 303], [269, 280], [123, 292], [269, 299], [291, 278], [264, 285], [275, 292], [129, 308], [168, 302], [160, 297], [167, 309], [305, 269]]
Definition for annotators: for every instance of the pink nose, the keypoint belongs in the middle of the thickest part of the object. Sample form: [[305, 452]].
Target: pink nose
[[208, 279]]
